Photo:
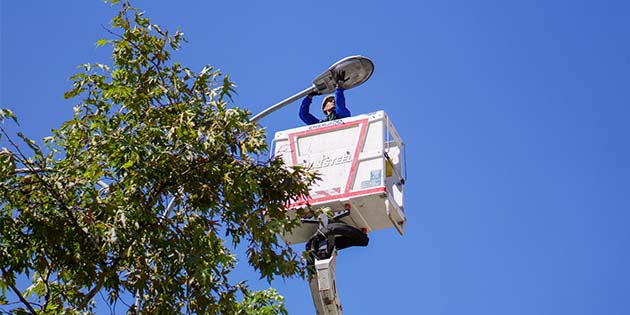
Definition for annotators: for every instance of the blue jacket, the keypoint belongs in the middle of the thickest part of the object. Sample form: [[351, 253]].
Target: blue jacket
[[340, 109]]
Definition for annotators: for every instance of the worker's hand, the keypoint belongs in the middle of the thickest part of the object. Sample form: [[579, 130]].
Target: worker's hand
[[310, 95], [340, 77]]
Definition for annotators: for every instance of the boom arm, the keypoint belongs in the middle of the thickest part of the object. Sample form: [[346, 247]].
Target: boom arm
[[322, 247], [323, 286]]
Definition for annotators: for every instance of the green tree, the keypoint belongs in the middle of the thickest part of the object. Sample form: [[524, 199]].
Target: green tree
[[145, 193]]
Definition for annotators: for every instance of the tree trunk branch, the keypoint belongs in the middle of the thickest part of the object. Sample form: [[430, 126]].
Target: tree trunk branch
[[18, 293]]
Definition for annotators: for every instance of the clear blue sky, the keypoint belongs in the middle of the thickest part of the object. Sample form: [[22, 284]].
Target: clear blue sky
[[515, 115]]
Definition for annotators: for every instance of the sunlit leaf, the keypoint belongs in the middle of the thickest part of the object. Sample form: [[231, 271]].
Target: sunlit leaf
[[101, 42]]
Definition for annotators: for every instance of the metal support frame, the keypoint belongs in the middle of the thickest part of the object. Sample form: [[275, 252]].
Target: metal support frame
[[323, 286], [331, 236], [322, 278]]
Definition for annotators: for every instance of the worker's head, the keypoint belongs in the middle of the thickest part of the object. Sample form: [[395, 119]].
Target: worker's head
[[328, 104]]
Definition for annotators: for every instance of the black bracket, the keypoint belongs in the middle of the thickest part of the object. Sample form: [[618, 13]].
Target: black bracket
[[336, 215]]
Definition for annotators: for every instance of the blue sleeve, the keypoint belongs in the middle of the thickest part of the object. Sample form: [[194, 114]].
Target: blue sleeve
[[340, 104], [305, 114]]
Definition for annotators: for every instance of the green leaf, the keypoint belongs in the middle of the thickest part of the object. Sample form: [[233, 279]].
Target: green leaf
[[128, 164], [101, 42], [7, 113]]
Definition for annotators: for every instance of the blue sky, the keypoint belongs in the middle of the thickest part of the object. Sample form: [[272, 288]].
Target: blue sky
[[515, 116]]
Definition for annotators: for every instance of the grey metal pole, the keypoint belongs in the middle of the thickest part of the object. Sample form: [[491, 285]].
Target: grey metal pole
[[284, 102]]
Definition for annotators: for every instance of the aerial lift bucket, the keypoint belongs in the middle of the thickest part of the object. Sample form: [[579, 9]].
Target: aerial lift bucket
[[361, 165]]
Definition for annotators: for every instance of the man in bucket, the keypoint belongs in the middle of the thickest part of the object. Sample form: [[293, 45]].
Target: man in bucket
[[333, 106]]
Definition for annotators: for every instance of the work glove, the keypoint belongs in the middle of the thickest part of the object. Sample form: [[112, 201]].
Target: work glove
[[315, 93], [340, 77]]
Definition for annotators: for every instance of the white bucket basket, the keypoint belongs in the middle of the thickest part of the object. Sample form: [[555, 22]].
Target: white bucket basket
[[360, 161]]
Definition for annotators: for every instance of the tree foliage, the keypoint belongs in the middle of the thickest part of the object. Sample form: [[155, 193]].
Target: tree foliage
[[142, 196]]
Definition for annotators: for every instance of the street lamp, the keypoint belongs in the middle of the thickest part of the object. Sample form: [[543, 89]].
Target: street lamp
[[358, 70]]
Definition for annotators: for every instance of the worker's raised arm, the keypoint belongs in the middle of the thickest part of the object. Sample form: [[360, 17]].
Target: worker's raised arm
[[340, 104], [305, 114]]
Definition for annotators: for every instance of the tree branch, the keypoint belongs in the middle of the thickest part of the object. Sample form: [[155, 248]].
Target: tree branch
[[46, 282], [18, 293], [95, 289]]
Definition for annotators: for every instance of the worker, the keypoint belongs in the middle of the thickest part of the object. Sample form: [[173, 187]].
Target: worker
[[333, 106]]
